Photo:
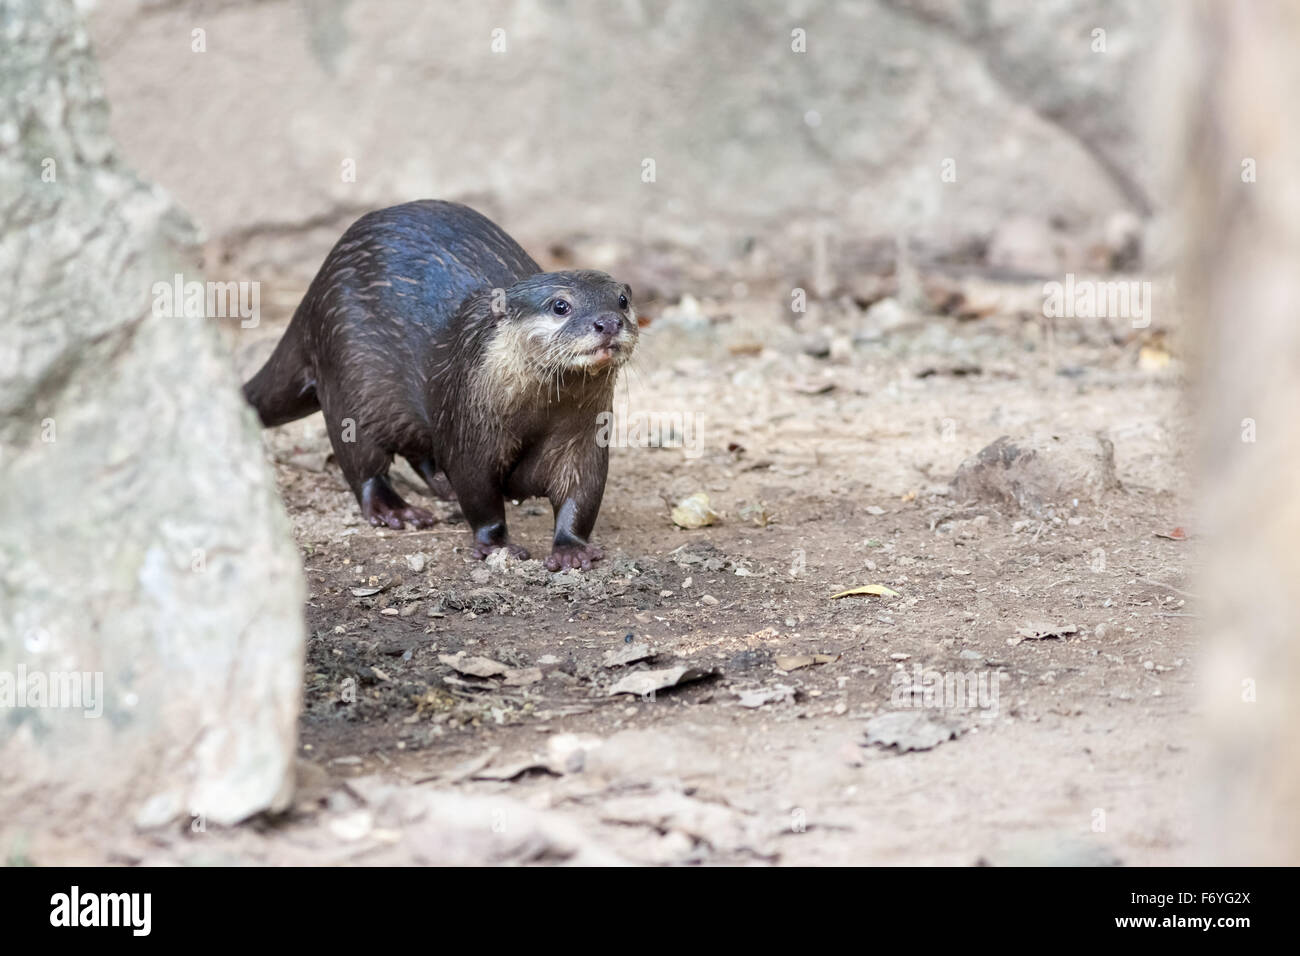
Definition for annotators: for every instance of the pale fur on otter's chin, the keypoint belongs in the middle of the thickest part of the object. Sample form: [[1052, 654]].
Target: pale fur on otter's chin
[[523, 361]]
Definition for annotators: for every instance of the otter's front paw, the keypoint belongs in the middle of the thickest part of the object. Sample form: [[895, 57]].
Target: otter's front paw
[[383, 507], [483, 549], [573, 556], [382, 515]]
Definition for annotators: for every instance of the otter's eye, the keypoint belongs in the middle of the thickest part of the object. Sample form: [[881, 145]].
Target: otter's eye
[[561, 307], [622, 302]]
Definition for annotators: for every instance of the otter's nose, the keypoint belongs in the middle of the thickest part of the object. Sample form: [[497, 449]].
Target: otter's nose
[[607, 325]]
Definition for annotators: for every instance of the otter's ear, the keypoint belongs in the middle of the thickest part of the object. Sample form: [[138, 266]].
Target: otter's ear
[[486, 305]]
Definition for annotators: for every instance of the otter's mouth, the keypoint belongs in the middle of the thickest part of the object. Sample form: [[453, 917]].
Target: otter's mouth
[[600, 355]]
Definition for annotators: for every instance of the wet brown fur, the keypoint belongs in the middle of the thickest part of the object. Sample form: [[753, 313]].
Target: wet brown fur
[[429, 333]]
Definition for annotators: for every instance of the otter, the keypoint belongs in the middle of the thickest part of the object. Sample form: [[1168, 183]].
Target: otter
[[431, 334]]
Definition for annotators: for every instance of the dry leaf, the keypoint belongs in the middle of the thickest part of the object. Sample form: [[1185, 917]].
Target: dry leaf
[[778, 693], [906, 730], [877, 589], [647, 682], [628, 654], [694, 512], [1152, 359], [1042, 632], [796, 661], [519, 676], [511, 771], [810, 387], [474, 666]]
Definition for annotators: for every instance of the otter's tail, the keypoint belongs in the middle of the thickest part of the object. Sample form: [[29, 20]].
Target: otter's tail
[[285, 388]]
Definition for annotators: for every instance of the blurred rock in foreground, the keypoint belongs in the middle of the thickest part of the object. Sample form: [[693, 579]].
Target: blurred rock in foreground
[[1240, 145], [150, 598]]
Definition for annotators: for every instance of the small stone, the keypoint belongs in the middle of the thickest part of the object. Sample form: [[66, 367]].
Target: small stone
[[887, 315], [816, 346], [841, 351]]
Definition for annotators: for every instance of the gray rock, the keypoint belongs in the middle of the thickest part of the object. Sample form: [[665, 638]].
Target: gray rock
[[146, 569], [1035, 473], [817, 346], [886, 316]]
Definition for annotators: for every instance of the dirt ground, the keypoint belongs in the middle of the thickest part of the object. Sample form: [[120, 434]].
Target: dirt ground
[[826, 442]]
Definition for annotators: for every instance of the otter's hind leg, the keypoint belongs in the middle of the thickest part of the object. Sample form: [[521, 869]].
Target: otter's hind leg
[[433, 476], [364, 463], [285, 387], [381, 505]]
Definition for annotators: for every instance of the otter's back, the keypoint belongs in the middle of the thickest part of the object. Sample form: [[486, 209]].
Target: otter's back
[[433, 252], [392, 286], [406, 269]]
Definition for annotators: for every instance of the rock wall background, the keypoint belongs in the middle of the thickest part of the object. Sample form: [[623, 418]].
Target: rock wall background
[[754, 144]]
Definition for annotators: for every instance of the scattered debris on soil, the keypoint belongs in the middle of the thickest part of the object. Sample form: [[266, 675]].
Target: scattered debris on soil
[[1019, 636]]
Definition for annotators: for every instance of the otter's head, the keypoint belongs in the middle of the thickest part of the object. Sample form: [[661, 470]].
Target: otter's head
[[570, 321]]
